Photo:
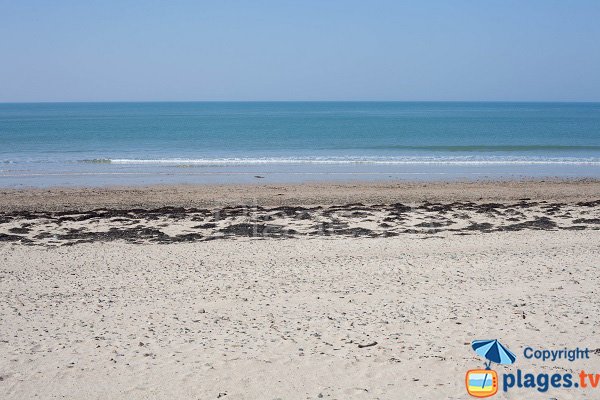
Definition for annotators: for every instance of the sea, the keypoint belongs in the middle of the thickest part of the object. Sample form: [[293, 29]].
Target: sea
[[143, 143]]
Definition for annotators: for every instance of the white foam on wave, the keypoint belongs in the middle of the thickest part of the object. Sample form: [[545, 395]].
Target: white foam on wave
[[346, 161]]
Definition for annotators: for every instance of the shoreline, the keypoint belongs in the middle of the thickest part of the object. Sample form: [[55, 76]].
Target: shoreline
[[302, 194]]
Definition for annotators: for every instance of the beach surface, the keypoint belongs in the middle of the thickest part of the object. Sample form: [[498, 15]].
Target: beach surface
[[306, 194], [366, 291]]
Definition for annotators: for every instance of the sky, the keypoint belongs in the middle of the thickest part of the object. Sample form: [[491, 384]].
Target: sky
[[126, 50]]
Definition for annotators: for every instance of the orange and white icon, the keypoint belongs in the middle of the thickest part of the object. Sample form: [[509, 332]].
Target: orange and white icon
[[481, 382]]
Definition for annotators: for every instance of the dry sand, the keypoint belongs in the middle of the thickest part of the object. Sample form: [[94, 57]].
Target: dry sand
[[108, 312]]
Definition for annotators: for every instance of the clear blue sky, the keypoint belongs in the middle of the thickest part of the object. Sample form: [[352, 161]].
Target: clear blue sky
[[299, 50]]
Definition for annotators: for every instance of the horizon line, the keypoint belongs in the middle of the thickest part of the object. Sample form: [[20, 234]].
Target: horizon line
[[295, 101]]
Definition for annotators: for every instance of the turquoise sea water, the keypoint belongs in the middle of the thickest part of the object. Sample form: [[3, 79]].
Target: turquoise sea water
[[144, 143]]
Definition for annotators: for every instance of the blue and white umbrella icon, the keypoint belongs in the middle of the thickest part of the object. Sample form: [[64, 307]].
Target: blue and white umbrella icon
[[493, 351]]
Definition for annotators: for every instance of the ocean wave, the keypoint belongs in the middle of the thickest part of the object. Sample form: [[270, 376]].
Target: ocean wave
[[486, 148], [350, 161], [97, 161]]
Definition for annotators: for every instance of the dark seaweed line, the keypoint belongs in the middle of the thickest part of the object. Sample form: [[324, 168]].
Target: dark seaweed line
[[259, 229]]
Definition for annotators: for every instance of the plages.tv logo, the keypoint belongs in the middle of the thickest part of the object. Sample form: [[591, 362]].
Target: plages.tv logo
[[484, 382]]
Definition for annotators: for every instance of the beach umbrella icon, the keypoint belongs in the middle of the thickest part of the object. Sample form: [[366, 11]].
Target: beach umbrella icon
[[493, 351]]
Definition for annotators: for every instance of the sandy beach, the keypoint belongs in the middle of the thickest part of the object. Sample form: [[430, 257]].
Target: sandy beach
[[306, 194], [366, 291]]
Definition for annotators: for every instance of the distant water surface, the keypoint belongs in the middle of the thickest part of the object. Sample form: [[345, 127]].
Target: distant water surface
[[92, 144]]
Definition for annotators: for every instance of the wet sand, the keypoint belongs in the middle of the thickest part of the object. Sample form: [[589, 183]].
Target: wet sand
[[308, 194]]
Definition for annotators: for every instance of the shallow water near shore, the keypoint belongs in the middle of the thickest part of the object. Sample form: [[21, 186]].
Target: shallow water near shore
[[99, 144]]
